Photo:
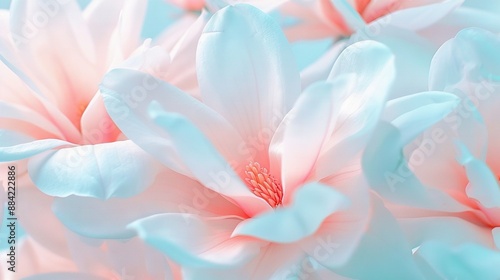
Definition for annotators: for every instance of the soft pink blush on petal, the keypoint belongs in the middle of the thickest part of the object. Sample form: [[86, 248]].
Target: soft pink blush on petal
[[170, 193], [344, 17], [193, 5]]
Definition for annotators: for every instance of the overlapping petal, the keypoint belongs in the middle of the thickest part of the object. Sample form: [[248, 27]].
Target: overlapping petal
[[312, 204], [102, 170], [254, 98], [196, 241]]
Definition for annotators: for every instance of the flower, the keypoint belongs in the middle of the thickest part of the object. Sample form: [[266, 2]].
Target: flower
[[258, 177], [413, 30], [53, 124], [326, 18], [92, 259], [445, 189]]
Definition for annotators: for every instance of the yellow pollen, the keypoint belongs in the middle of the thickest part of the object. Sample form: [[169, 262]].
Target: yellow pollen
[[263, 184]]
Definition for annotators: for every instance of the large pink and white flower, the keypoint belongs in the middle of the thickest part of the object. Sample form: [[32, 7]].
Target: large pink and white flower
[[259, 178]]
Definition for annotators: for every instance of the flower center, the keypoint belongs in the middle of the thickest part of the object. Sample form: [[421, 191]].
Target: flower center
[[263, 184]]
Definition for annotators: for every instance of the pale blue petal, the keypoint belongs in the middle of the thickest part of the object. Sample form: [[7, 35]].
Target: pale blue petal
[[483, 183], [388, 173], [196, 241], [415, 113], [311, 205], [119, 169], [382, 246], [422, 16], [15, 146], [465, 261]]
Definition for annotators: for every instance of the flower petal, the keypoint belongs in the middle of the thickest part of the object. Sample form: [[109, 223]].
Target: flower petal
[[372, 64], [416, 15], [22, 86], [389, 173], [15, 146], [467, 261], [483, 184], [272, 262], [304, 131], [100, 171], [96, 125], [350, 16], [38, 261], [321, 68], [184, 57], [383, 234], [37, 25], [450, 230], [102, 18], [21, 115], [170, 193], [468, 66], [414, 113], [312, 204], [130, 25], [191, 240], [204, 162], [127, 95], [496, 236], [247, 73]]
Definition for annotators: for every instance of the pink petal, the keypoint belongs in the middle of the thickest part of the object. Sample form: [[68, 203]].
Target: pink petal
[[191, 240], [127, 95], [204, 162], [170, 193]]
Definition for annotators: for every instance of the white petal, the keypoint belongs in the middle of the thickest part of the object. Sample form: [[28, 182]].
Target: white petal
[[127, 95], [312, 204], [372, 64], [246, 72], [300, 138]]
